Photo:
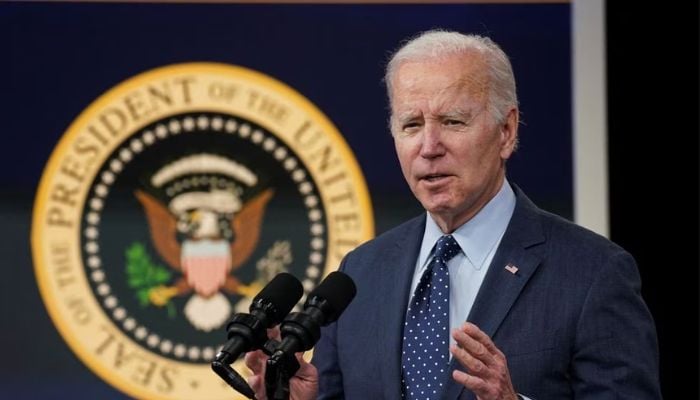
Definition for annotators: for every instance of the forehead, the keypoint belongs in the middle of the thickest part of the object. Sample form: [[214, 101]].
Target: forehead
[[440, 80]]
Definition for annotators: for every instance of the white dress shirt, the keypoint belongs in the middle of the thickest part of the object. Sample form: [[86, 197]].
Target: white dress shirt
[[479, 238]]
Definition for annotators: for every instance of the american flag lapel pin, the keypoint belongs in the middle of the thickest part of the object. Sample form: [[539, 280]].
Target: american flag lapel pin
[[511, 268]]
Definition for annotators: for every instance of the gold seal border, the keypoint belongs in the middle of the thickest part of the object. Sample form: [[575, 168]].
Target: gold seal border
[[64, 326]]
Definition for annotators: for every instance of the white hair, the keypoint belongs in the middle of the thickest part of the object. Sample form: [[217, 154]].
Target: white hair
[[439, 43]]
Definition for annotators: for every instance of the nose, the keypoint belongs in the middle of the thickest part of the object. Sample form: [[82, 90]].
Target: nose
[[432, 145]]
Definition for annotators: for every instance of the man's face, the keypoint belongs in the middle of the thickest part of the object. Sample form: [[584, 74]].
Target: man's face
[[452, 153]]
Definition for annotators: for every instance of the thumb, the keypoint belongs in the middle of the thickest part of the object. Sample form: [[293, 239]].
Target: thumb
[[306, 370], [256, 360]]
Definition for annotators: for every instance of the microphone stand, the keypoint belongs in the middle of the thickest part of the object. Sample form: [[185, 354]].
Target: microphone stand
[[300, 331], [281, 367], [221, 365]]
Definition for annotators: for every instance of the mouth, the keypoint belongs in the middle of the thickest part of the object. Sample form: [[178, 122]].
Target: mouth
[[434, 177]]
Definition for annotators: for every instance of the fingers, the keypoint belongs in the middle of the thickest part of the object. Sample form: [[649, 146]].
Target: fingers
[[473, 364], [487, 369], [274, 333], [474, 347], [477, 385], [306, 370], [256, 360], [257, 383], [304, 384], [476, 333]]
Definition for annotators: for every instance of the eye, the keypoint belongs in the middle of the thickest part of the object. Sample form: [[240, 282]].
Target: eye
[[453, 122], [411, 126]]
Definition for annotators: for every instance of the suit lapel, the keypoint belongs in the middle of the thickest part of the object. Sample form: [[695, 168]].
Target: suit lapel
[[519, 248], [395, 282]]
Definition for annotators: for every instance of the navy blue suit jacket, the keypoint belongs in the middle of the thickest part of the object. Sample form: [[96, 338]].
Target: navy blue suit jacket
[[571, 321]]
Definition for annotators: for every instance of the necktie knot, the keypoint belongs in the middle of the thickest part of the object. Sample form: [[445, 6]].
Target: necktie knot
[[446, 248]]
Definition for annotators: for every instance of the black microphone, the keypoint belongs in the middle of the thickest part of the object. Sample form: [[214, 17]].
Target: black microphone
[[301, 330], [248, 332]]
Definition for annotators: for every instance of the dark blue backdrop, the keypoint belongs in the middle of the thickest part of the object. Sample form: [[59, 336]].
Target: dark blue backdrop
[[57, 58]]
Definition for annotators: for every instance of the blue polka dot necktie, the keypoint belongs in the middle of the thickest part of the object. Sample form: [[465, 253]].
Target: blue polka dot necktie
[[426, 335]]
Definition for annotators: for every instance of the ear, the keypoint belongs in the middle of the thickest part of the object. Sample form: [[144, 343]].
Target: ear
[[509, 133]]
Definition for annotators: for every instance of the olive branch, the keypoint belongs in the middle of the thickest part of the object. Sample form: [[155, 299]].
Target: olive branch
[[143, 275]]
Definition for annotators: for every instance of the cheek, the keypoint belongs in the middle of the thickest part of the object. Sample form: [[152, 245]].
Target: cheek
[[483, 154]]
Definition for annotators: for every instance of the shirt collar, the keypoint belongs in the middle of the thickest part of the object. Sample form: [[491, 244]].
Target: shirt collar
[[478, 236]]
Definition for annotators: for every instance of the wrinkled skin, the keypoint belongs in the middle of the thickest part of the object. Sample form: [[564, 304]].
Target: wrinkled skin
[[451, 150], [453, 155]]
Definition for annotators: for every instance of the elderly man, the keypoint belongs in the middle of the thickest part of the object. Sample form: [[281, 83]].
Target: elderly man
[[485, 296]]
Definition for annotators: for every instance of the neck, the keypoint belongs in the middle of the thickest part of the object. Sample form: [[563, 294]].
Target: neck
[[449, 221]]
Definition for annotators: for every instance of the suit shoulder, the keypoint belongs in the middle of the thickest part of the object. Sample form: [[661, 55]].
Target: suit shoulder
[[568, 238], [570, 231], [558, 231]]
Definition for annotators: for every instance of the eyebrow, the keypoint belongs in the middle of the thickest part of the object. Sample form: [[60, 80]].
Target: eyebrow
[[453, 113], [458, 113], [408, 115]]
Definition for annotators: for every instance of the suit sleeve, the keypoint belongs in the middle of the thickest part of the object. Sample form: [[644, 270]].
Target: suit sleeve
[[325, 359], [616, 351], [330, 378]]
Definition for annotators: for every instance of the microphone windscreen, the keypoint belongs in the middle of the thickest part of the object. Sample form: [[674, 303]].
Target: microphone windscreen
[[283, 292], [338, 290]]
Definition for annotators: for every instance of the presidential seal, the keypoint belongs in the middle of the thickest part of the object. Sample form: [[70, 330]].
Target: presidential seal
[[170, 202]]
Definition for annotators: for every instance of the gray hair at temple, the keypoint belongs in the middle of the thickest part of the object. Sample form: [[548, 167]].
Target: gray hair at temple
[[437, 43]]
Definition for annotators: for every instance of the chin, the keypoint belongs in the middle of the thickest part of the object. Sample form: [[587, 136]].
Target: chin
[[438, 206]]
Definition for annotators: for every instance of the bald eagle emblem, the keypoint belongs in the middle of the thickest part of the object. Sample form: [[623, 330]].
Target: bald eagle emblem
[[204, 231]]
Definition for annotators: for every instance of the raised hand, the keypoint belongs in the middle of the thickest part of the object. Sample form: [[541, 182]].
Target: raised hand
[[487, 370], [302, 386]]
